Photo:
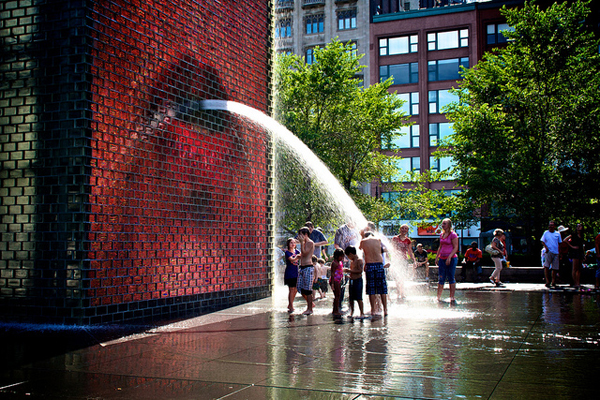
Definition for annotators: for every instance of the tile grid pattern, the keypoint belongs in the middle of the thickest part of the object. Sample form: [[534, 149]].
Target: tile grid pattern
[[120, 197]]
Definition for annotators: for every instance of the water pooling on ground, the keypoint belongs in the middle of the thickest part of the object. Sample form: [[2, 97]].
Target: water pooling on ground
[[496, 344]]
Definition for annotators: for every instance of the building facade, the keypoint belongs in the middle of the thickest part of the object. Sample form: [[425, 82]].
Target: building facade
[[423, 49], [302, 25]]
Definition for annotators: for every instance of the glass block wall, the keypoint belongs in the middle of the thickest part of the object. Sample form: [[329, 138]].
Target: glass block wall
[[121, 197]]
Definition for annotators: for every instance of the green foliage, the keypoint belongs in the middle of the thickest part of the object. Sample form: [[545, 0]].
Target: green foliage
[[344, 124], [422, 205], [528, 118]]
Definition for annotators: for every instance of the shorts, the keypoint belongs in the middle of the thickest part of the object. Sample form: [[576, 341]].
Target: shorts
[[291, 282], [356, 289], [305, 279], [551, 261], [323, 284], [376, 283], [447, 271], [316, 286]]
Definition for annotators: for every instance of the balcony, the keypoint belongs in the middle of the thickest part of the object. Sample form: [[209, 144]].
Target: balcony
[[312, 3], [284, 5]]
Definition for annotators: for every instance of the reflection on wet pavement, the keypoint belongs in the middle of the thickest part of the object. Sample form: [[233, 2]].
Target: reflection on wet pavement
[[492, 344]]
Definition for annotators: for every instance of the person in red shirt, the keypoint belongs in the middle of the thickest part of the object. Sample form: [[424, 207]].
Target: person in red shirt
[[473, 257]]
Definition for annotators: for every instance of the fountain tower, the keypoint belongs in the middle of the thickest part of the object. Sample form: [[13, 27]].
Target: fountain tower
[[120, 200]]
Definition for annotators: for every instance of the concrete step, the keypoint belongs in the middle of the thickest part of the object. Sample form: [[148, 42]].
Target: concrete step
[[520, 274]]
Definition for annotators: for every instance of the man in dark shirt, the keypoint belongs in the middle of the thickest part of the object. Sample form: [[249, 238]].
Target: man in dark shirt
[[421, 261]]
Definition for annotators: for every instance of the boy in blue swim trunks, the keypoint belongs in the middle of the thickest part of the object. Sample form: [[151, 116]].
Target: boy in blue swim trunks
[[306, 275], [376, 283], [356, 280]]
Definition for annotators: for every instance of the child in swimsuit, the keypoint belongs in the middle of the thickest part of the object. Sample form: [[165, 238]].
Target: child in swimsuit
[[337, 274]]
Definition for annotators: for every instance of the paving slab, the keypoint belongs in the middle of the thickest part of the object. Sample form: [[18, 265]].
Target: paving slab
[[519, 341]]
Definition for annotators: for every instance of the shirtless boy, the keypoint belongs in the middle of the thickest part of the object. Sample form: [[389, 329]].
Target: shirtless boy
[[376, 283], [356, 281], [306, 274]]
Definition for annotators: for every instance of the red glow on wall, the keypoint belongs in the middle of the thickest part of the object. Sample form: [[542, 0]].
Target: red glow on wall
[[178, 196]]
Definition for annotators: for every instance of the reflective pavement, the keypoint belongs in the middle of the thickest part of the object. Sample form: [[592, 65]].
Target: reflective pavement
[[520, 341]]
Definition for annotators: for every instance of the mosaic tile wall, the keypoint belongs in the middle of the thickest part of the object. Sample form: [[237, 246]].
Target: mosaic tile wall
[[121, 198]]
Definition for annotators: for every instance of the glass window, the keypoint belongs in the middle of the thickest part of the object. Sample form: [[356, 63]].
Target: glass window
[[441, 70], [314, 24], [415, 164], [408, 137], [438, 99], [438, 132], [406, 165], [448, 40], [401, 73], [402, 139], [434, 165], [354, 49], [398, 45], [283, 29], [391, 196], [447, 163], [310, 56], [414, 136], [494, 33], [411, 103], [442, 164], [346, 20]]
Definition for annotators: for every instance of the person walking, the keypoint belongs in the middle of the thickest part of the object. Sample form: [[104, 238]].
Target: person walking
[[498, 245], [446, 259]]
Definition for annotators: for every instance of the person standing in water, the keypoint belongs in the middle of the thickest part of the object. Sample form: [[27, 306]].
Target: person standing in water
[[337, 274], [551, 239], [306, 274], [290, 276], [356, 281], [403, 246], [376, 283], [446, 259]]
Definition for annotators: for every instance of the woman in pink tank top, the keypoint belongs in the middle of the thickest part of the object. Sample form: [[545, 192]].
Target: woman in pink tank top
[[446, 259]]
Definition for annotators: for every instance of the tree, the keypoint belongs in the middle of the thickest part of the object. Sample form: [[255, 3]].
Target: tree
[[343, 123], [527, 120]]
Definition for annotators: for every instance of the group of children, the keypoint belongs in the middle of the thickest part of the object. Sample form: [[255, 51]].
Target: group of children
[[335, 280]]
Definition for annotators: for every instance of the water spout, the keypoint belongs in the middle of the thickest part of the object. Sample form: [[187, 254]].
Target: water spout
[[342, 201]]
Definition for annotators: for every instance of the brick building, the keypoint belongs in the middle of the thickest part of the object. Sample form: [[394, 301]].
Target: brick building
[[423, 50]]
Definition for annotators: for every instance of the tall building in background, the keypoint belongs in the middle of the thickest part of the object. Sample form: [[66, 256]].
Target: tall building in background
[[302, 25], [422, 47]]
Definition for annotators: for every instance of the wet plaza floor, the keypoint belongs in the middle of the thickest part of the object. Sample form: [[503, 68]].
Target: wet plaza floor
[[518, 342]]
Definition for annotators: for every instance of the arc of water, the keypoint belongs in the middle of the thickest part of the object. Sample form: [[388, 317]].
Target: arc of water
[[343, 200]]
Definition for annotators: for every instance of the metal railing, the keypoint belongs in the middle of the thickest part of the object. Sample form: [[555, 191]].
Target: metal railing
[[312, 2], [284, 5]]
